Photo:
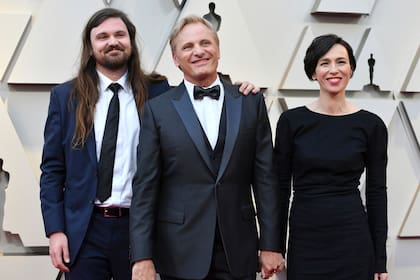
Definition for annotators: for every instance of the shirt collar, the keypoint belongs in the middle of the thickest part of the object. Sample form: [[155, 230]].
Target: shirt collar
[[104, 82]]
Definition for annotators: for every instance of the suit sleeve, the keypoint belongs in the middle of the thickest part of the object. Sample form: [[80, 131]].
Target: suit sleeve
[[283, 152], [53, 170], [263, 185], [156, 88], [145, 189]]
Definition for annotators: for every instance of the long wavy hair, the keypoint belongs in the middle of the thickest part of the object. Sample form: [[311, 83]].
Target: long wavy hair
[[85, 91]]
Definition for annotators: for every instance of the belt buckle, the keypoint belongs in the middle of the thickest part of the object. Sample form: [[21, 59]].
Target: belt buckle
[[108, 215]]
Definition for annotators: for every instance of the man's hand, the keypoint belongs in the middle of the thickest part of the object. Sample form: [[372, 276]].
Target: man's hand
[[59, 251], [381, 276], [246, 87], [271, 263], [144, 270]]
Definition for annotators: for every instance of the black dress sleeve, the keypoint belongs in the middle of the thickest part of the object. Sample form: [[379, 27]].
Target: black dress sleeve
[[376, 196]]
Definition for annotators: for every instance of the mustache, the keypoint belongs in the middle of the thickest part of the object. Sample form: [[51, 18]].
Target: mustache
[[116, 47]]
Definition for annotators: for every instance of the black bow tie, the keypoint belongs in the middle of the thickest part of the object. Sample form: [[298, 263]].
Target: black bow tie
[[213, 92]]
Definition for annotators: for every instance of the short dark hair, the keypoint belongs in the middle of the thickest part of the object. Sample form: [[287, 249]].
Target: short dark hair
[[319, 47]]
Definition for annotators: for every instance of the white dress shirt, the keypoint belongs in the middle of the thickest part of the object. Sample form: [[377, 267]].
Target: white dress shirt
[[208, 110], [127, 140]]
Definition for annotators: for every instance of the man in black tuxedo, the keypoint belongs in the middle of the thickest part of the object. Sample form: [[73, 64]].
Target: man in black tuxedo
[[203, 149]]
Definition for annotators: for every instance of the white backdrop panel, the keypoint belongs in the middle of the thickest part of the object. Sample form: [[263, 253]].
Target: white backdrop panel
[[55, 38], [22, 210], [334, 6], [12, 27]]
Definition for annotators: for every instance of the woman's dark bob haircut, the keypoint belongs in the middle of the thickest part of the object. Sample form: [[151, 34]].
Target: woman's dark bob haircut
[[319, 47]]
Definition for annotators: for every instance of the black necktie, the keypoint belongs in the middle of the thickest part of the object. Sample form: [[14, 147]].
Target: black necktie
[[213, 92], [109, 141]]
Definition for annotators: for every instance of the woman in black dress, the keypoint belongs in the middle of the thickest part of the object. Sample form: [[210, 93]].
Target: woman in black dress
[[322, 149]]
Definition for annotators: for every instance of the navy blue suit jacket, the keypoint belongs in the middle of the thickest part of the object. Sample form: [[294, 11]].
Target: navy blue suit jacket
[[69, 175]]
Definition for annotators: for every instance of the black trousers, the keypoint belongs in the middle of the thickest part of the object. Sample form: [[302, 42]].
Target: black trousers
[[219, 268]]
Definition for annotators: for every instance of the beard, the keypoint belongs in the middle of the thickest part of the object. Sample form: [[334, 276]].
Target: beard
[[114, 61]]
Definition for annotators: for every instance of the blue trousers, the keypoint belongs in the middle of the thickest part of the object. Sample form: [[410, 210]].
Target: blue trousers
[[104, 253]]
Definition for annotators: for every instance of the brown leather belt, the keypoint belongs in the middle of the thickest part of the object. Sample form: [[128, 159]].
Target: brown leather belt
[[111, 212]]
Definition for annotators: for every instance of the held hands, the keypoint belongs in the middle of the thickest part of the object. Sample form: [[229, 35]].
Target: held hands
[[59, 251], [144, 270], [381, 276], [271, 263], [246, 87]]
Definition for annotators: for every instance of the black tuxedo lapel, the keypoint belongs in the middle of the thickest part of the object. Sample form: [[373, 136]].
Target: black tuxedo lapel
[[233, 118], [185, 109]]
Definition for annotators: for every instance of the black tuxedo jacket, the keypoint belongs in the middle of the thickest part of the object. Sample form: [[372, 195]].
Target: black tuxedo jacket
[[177, 196]]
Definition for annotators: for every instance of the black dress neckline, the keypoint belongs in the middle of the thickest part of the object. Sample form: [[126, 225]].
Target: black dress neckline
[[334, 116]]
